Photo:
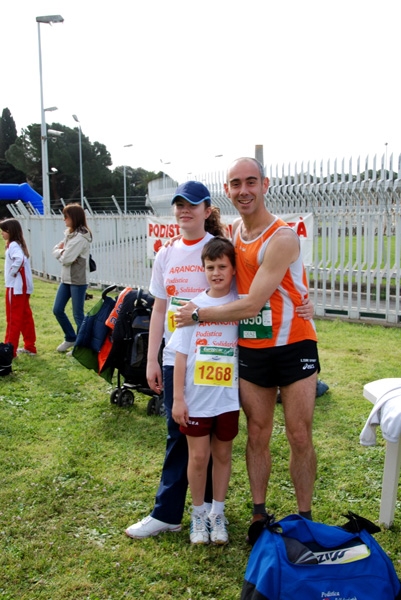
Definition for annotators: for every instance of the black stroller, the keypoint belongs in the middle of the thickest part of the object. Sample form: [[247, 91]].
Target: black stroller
[[129, 351]]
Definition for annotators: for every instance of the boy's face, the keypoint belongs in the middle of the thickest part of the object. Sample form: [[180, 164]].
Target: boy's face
[[219, 274]]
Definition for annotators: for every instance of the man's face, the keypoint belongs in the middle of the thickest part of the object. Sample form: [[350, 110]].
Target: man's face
[[245, 187]]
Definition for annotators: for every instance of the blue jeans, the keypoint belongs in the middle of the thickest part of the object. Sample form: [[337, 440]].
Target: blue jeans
[[170, 497], [76, 293]]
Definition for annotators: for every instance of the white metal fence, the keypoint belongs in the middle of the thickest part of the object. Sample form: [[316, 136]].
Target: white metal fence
[[357, 235]]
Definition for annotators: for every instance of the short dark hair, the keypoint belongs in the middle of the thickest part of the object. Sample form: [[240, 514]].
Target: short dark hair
[[218, 247]]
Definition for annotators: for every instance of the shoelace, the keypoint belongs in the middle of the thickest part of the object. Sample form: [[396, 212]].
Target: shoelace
[[217, 522], [199, 522]]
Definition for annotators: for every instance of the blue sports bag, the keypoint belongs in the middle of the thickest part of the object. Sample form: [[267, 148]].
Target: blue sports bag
[[295, 558]]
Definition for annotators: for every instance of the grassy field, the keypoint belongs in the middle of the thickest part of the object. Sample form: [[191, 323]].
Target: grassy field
[[77, 470]]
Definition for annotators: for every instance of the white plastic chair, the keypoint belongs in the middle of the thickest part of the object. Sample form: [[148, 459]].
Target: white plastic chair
[[373, 391]]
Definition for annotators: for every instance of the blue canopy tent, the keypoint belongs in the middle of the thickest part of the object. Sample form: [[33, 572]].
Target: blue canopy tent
[[22, 191]]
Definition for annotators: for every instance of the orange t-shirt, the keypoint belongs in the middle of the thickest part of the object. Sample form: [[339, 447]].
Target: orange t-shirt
[[287, 327]]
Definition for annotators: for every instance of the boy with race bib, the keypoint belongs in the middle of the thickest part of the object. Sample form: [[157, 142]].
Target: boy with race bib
[[206, 402]]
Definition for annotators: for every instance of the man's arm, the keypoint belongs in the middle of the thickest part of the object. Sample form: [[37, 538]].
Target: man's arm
[[282, 250]]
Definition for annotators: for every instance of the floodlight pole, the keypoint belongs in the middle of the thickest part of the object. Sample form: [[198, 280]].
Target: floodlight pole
[[43, 132]]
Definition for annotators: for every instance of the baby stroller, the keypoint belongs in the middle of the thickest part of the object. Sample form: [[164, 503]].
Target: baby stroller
[[129, 349]]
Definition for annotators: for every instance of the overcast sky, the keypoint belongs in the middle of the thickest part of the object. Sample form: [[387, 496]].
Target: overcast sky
[[184, 81]]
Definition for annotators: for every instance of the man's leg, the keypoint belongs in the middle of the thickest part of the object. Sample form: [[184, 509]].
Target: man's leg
[[298, 404], [258, 404]]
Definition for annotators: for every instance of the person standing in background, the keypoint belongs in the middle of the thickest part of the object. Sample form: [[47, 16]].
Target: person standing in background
[[19, 287], [73, 254]]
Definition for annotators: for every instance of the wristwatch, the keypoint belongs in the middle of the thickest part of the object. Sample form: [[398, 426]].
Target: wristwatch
[[195, 315]]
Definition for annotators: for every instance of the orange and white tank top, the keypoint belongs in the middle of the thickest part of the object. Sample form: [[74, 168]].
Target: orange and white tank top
[[284, 325]]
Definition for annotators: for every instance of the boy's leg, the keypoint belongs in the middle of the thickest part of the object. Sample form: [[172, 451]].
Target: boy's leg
[[198, 460], [225, 430], [221, 452]]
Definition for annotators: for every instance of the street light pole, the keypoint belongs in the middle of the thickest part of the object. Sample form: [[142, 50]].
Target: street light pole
[[43, 132], [81, 174], [125, 182]]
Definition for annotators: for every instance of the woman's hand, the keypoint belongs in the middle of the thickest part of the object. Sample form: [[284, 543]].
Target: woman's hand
[[154, 376]]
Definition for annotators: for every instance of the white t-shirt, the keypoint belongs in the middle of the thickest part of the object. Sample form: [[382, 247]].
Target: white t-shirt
[[211, 381], [177, 273]]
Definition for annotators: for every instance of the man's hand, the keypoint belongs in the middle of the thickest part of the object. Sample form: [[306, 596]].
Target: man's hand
[[170, 241], [306, 310], [183, 316]]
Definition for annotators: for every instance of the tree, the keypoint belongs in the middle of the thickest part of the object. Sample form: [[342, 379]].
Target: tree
[[63, 154], [8, 135], [137, 180], [8, 132], [24, 155]]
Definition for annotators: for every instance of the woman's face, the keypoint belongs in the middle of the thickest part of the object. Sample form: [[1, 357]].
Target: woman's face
[[191, 217], [68, 221]]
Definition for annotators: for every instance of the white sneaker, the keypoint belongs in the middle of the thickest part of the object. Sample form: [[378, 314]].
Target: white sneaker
[[218, 531], [25, 351], [149, 526], [65, 346], [199, 529]]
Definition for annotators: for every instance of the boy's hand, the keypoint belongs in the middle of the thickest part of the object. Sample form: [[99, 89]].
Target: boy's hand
[[180, 412]]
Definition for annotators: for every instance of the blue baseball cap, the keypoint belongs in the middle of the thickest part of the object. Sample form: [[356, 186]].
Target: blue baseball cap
[[193, 191]]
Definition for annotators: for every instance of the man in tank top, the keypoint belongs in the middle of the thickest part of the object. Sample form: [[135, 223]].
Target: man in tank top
[[277, 347]]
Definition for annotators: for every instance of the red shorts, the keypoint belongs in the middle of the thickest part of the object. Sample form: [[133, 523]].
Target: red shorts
[[224, 426]]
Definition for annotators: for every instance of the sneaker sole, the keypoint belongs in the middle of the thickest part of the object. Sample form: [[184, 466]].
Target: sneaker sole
[[154, 533], [219, 543], [199, 543]]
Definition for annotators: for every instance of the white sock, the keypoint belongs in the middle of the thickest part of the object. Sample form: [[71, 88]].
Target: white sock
[[217, 508], [198, 510]]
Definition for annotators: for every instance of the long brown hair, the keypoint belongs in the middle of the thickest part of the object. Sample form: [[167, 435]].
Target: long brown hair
[[77, 215], [213, 223], [14, 230]]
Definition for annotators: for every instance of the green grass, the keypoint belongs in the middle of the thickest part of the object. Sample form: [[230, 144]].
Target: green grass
[[77, 470]]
